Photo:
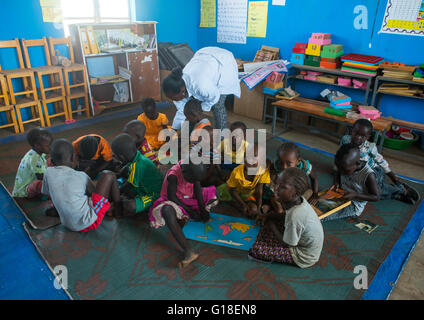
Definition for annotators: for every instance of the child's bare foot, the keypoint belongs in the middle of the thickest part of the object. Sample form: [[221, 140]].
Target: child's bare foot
[[189, 259], [51, 212]]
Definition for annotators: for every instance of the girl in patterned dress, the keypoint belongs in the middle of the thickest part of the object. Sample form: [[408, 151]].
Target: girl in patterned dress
[[292, 232]]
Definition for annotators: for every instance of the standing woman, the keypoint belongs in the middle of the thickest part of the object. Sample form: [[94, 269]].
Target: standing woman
[[209, 76]]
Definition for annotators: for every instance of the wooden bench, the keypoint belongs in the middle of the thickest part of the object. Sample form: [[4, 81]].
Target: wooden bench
[[315, 109]]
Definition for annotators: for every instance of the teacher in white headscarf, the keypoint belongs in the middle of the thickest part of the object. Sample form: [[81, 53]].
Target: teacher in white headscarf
[[209, 76]]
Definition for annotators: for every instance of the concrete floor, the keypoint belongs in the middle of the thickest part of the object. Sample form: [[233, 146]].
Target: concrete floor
[[411, 282]]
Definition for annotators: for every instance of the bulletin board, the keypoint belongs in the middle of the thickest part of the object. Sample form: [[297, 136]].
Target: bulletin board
[[404, 17]]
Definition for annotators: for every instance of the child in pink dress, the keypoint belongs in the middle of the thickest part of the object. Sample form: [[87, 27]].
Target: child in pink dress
[[182, 198]]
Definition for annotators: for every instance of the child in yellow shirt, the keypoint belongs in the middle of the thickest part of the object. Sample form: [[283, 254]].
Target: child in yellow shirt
[[244, 189], [228, 148], [154, 122]]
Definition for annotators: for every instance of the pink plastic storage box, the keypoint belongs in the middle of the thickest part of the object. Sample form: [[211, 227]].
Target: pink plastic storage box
[[369, 111], [359, 84], [320, 38], [344, 81]]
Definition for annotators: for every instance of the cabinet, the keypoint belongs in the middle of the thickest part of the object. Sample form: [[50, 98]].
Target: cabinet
[[123, 55]]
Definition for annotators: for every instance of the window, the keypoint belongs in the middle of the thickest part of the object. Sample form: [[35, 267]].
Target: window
[[95, 11]]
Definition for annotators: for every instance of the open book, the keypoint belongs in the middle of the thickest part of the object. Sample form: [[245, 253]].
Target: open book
[[329, 202]]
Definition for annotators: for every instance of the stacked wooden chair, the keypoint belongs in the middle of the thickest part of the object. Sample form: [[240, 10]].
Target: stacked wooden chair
[[54, 92], [27, 98], [6, 107], [76, 90]]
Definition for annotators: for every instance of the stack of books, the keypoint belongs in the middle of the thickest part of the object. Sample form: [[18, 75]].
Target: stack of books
[[338, 100], [401, 89], [397, 70], [361, 64]]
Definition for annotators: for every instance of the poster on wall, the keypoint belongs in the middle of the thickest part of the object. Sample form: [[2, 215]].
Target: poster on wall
[[52, 10], [257, 20], [404, 17], [232, 21], [207, 14]]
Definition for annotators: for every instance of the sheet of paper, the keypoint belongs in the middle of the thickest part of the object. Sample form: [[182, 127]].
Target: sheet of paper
[[257, 21], [51, 10], [278, 2], [232, 20], [259, 75], [208, 14], [404, 17]]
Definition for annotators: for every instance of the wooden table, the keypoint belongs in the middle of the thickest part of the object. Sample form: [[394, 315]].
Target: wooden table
[[315, 109]]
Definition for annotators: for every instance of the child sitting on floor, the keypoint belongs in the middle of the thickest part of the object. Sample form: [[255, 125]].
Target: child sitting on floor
[[292, 233], [356, 178], [229, 149], [80, 205], [361, 133], [182, 198], [210, 158], [93, 154], [288, 157], [137, 130], [143, 184], [154, 122], [29, 177], [244, 188], [196, 118]]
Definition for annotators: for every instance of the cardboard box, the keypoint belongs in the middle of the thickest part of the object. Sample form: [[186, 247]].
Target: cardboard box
[[251, 102]]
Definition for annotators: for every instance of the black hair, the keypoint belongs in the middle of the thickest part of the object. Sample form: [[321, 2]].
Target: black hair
[[344, 151], [297, 178], [238, 124], [88, 147], [196, 171], [36, 135], [364, 123], [173, 83], [147, 102], [61, 151], [134, 125], [193, 106], [288, 147], [124, 145]]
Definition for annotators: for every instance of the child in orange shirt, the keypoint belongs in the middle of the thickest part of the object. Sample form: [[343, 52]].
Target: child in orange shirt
[[93, 153], [154, 122]]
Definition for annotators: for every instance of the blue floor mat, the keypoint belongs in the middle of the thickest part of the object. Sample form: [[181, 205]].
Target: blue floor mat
[[23, 273]]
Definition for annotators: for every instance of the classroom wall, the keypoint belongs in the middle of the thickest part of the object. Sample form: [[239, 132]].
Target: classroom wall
[[178, 20], [295, 22]]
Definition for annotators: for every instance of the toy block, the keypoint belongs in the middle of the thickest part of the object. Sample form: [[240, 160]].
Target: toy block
[[297, 58], [312, 60], [313, 49], [300, 47], [332, 51], [320, 38]]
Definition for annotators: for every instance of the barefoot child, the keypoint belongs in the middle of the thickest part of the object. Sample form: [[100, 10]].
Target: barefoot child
[[154, 122], [183, 198], [246, 189], [29, 177], [361, 133], [80, 205], [288, 157], [137, 129], [143, 184], [293, 233], [93, 154], [357, 178]]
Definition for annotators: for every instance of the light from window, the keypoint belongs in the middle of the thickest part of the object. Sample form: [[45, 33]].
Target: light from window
[[94, 11]]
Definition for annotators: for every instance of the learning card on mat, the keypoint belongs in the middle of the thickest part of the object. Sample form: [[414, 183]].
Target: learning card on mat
[[223, 230]]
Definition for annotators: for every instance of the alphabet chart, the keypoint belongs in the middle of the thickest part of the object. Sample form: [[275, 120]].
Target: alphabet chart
[[404, 17], [232, 21]]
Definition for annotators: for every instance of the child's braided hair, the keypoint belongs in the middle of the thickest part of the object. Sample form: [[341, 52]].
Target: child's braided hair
[[297, 178]]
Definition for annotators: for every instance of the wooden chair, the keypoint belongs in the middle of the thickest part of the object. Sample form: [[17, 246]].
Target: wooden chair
[[30, 98], [6, 107], [77, 90], [55, 93]]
